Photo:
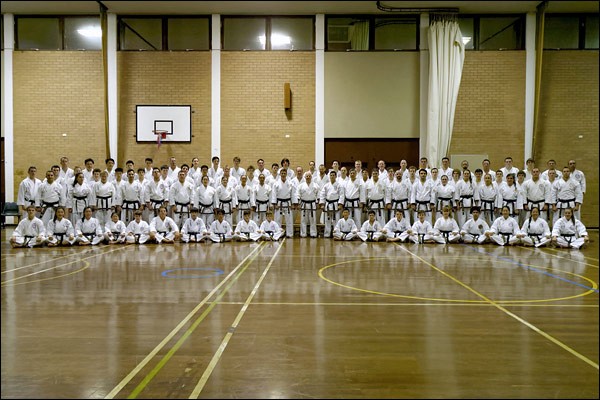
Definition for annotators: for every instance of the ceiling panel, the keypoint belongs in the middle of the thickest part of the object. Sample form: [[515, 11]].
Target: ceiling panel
[[282, 7]]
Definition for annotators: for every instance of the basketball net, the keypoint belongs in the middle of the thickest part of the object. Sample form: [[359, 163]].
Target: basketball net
[[160, 136]]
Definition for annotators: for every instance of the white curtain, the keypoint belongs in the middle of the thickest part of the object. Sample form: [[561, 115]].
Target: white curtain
[[360, 36], [446, 57]]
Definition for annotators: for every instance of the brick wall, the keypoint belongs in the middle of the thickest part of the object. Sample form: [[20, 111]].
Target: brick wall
[[254, 122], [164, 78], [57, 92], [568, 119], [490, 110]]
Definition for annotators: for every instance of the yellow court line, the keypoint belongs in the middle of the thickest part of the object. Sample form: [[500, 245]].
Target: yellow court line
[[57, 266], [175, 330], [283, 303], [87, 265], [148, 378], [507, 312], [217, 356], [403, 296], [569, 259], [45, 261]]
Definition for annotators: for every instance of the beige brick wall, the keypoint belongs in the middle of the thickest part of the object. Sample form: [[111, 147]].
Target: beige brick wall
[[164, 78], [490, 110], [253, 120], [57, 92], [569, 109]]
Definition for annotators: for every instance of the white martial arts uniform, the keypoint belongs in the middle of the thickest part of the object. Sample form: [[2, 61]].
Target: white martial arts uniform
[[397, 230], [29, 233], [307, 197], [331, 198], [473, 231], [194, 230], [245, 231], [504, 231], [446, 230], [60, 232], [104, 198], [345, 229], [370, 232], [115, 231], [89, 231], [569, 233], [163, 228], [138, 233], [536, 232], [271, 230], [220, 231], [421, 232], [283, 196]]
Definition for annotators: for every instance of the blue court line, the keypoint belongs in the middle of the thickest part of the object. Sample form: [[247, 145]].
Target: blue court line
[[534, 269], [216, 271]]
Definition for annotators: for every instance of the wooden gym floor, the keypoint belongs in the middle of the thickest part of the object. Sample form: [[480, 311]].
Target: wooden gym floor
[[302, 318]]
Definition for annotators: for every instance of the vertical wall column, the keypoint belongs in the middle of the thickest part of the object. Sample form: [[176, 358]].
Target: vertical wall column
[[530, 27], [215, 88], [320, 89], [111, 56], [423, 82], [8, 103]]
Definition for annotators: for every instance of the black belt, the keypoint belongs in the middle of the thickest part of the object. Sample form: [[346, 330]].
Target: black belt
[[181, 207], [445, 234], [104, 201], [89, 236], [568, 237], [534, 236], [261, 202], [441, 201], [506, 236], [488, 202], [127, 203], [80, 198], [244, 202], [162, 232], [286, 201], [194, 234], [536, 202], [31, 202], [270, 233], [403, 204], [511, 207], [60, 236], [137, 237], [562, 202], [205, 207], [380, 202], [27, 239], [419, 202], [46, 205], [228, 203], [398, 233], [352, 202]]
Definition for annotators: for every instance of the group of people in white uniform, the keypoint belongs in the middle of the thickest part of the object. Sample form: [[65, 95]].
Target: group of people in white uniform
[[191, 204]]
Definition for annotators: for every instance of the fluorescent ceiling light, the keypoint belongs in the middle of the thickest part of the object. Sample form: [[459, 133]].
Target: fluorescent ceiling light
[[90, 31]]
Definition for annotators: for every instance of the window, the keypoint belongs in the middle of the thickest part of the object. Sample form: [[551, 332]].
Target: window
[[188, 34], [58, 33], [284, 33], [493, 32], [164, 33], [38, 33], [369, 32], [83, 33], [571, 31]]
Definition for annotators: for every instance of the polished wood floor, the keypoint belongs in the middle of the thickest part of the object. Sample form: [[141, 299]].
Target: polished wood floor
[[303, 318]]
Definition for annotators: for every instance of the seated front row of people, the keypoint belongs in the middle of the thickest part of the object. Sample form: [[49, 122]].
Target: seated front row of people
[[567, 231]]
